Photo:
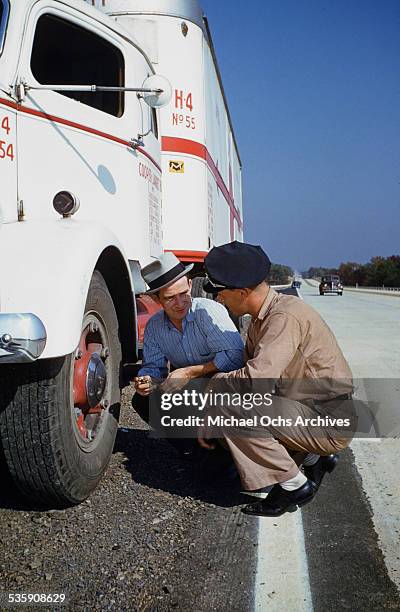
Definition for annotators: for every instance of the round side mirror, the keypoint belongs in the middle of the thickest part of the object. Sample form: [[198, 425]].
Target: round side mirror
[[160, 98]]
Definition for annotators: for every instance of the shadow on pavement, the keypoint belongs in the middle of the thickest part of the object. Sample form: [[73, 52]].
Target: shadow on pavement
[[9, 496], [155, 464]]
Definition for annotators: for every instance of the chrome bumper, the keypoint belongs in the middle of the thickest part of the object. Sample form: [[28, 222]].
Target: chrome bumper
[[22, 337]]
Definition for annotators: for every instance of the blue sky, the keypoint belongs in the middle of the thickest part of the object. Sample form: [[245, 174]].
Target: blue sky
[[314, 92]]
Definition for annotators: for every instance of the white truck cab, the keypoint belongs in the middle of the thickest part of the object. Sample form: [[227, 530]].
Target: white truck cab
[[88, 128], [80, 208]]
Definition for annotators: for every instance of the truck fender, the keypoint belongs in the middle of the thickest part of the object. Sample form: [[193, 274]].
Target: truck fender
[[46, 270]]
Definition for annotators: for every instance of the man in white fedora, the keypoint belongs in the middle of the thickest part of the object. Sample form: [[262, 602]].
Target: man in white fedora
[[193, 335]]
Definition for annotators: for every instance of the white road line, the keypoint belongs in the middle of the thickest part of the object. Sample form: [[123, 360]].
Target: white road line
[[378, 468], [282, 580]]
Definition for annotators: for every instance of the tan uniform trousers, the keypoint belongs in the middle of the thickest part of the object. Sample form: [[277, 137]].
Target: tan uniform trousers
[[274, 456]]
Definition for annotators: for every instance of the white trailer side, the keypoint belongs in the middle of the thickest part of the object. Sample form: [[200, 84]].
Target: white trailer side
[[202, 194]]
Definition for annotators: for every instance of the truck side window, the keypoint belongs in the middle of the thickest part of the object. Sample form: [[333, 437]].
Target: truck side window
[[4, 11], [66, 54]]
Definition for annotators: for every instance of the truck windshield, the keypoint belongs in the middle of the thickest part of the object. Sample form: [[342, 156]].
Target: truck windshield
[[4, 12]]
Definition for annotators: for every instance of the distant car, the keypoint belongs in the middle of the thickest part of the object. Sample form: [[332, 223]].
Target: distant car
[[330, 284], [296, 284]]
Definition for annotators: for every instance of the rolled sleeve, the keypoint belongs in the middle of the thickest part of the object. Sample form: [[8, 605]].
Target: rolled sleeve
[[225, 361]]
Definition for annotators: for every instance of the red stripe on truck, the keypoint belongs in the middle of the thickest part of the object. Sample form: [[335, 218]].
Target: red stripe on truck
[[171, 144], [182, 145], [190, 256], [78, 126]]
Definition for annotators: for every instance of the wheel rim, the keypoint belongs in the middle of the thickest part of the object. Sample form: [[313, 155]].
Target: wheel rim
[[91, 388]]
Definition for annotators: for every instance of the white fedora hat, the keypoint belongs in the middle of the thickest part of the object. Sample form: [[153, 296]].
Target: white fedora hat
[[164, 271]]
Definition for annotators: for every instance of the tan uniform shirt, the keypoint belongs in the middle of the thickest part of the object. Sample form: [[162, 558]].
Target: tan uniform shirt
[[292, 348]]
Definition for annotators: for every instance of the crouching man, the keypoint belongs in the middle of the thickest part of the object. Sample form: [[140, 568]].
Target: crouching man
[[292, 353]]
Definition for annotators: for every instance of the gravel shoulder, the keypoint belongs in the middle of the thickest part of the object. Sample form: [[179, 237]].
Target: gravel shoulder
[[134, 544]]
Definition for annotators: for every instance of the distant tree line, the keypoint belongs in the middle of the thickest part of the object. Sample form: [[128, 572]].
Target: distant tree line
[[280, 275], [318, 272], [377, 272]]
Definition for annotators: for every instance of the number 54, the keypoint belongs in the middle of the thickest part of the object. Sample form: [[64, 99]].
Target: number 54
[[6, 150]]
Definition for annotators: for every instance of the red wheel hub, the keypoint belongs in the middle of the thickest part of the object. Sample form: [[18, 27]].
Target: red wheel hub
[[89, 377]]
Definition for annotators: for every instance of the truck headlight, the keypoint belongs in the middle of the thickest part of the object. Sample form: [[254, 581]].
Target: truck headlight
[[65, 203]]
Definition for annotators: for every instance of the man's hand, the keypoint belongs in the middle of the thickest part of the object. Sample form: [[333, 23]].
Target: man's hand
[[177, 380], [143, 385], [180, 377]]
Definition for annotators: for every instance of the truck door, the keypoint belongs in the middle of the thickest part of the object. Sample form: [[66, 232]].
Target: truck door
[[80, 141]]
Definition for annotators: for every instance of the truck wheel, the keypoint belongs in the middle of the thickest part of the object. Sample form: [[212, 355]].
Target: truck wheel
[[59, 417]]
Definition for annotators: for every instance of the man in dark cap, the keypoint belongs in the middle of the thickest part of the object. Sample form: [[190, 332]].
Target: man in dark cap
[[292, 353]]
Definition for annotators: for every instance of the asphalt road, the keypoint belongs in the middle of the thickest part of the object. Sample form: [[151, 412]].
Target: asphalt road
[[367, 327], [159, 534]]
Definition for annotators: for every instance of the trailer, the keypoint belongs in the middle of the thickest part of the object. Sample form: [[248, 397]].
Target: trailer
[[202, 189], [202, 186], [99, 175]]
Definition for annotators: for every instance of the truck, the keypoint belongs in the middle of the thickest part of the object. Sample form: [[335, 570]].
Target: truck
[[116, 144]]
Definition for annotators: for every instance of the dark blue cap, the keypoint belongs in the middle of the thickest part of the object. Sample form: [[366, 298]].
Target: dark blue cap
[[235, 265]]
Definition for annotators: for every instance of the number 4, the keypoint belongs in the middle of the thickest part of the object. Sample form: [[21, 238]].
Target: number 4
[[5, 124], [189, 103], [10, 152]]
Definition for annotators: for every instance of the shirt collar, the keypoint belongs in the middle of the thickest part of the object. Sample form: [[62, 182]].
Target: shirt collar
[[271, 296], [190, 314]]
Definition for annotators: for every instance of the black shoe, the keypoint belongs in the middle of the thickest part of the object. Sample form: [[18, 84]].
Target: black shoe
[[279, 501], [316, 472]]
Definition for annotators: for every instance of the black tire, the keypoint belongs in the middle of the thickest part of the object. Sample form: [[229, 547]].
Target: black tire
[[48, 463]]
